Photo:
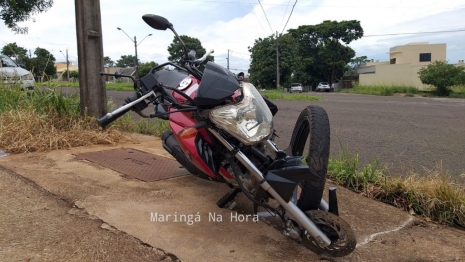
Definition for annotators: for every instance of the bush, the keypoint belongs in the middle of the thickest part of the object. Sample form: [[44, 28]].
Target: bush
[[442, 76]]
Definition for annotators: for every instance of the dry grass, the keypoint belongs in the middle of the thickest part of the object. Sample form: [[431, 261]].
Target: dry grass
[[42, 120], [435, 194], [28, 131]]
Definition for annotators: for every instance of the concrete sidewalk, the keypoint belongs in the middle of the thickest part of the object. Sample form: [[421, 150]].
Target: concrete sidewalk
[[154, 213]]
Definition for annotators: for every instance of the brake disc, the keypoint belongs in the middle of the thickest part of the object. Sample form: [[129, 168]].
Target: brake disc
[[343, 240]]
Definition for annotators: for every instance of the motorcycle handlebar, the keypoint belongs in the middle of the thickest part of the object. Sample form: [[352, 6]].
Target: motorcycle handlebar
[[110, 117], [204, 57], [132, 103]]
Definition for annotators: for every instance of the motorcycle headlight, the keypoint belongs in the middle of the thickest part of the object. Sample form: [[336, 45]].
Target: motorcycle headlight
[[250, 120]]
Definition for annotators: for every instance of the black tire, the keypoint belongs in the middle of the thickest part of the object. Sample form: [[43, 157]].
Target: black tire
[[312, 126]]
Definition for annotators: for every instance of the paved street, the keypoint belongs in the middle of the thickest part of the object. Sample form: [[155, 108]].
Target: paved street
[[403, 132]]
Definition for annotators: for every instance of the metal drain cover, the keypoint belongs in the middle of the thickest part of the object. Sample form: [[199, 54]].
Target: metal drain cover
[[134, 163]]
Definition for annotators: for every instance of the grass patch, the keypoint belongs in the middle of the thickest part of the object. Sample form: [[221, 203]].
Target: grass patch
[[280, 94], [435, 195], [154, 127], [109, 86], [456, 91], [381, 90], [43, 119]]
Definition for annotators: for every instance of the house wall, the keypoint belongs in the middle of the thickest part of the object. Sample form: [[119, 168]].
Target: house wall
[[410, 53], [389, 75], [405, 71]]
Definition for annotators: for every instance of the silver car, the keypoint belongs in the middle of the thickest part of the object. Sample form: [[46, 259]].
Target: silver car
[[323, 86], [12, 74]]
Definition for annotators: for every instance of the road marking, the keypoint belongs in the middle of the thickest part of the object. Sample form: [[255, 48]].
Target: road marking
[[372, 236]]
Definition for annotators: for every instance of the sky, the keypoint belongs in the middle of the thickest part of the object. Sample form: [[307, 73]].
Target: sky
[[234, 25]]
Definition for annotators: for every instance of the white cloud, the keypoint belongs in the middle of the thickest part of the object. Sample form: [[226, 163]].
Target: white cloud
[[235, 24]]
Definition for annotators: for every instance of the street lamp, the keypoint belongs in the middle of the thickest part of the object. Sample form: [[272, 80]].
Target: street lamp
[[135, 47], [67, 64]]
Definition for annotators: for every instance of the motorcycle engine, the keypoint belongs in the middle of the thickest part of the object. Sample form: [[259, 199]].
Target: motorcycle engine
[[235, 167]]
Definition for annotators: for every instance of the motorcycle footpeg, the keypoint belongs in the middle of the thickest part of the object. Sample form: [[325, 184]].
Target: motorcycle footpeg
[[228, 197], [333, 206]]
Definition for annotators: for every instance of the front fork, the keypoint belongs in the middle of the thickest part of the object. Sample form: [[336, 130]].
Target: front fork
[[292, 210]]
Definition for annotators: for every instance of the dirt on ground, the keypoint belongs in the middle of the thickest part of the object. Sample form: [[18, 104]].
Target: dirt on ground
[[40, 226], [54, 207]]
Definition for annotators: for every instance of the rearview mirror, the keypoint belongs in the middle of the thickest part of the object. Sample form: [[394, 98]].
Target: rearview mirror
[[157, 22]]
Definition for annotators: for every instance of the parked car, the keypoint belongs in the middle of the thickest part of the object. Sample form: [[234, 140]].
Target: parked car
[[323, 86], [12, 74], [296, 87]]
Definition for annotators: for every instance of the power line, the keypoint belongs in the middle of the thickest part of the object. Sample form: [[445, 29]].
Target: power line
[[230, 2], [418, 33], [335, 6], [287, 6], [256, 16], [289, 16], [239, 52], [266, 17]]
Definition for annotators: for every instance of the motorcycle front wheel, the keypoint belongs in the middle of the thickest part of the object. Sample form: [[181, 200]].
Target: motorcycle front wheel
[[311, 140], [343, 240]]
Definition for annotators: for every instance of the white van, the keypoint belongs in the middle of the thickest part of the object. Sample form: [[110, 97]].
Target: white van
[[12, 74]]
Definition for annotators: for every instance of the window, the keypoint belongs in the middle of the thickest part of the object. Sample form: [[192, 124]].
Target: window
[[393, 61], [425, 57]]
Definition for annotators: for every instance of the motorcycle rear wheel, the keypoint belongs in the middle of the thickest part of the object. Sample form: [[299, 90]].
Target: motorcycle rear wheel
[[311, 140], [343, 240]]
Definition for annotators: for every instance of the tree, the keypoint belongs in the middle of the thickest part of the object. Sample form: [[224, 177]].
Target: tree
[[13, 50], [43, 64], [263, 61], [177, 52], [13, 12], [126, 61], [144, 68], [359, 60], [324, 49], [107, 62], [442, 76], [73, 74]]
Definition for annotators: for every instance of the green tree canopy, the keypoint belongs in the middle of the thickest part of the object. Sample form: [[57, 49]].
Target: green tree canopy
[[15, 51], [323, 48], [359, 60], [107, 62], [13, 12], [126, 61], [442, 76], [263, 61], [42, 64], [144, 68], [177, 53], [74, 74]]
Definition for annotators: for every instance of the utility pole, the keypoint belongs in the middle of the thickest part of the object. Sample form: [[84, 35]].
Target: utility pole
[[137, 60], [277, 62], [135, 47], [67, 65], [93, 98], [228, 59]]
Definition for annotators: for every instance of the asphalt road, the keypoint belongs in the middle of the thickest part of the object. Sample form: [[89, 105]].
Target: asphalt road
[[404, 133]]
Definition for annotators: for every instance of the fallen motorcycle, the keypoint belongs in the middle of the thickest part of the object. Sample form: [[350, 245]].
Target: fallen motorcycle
[[222, 130]]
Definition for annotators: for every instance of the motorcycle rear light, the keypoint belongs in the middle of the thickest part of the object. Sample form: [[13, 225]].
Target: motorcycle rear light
[[188, 132]]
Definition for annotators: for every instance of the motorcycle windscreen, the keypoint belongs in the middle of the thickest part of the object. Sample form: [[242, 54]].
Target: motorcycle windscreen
[[170, 78], [217, 85]]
